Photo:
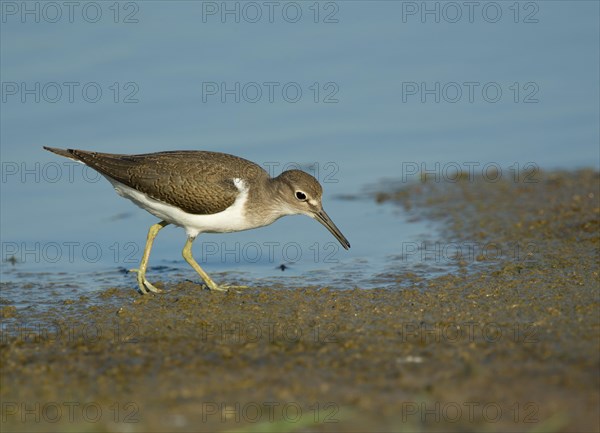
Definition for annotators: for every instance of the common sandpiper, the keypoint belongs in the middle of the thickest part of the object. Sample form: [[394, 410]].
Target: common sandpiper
[[205, 192]]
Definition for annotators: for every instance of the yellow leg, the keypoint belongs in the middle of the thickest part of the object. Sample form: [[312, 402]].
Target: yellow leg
[[187, 255], [143, 283]]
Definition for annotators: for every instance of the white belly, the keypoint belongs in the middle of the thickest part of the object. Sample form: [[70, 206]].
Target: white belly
[[230, 220]]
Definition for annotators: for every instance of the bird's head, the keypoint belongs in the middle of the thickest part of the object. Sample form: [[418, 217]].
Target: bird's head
[[301, 194]]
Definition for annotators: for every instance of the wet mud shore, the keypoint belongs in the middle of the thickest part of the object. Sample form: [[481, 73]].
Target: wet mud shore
[[506, 340]]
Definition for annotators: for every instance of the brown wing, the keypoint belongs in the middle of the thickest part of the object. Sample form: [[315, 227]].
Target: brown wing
[[197, 182]]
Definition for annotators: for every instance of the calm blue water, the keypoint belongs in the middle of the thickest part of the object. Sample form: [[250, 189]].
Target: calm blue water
[[354, 92]]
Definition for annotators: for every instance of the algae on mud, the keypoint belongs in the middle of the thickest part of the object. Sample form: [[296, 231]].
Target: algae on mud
[[509, 344]]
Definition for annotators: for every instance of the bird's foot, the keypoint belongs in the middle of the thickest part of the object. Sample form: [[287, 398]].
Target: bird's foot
[[144, 285]]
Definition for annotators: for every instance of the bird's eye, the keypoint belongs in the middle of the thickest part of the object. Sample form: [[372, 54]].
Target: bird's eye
[[300, 195]]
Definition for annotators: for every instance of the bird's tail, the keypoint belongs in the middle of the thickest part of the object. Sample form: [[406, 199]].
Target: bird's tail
[[67, 153]]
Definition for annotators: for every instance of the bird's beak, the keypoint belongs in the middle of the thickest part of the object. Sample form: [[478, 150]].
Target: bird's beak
[[324, 219]]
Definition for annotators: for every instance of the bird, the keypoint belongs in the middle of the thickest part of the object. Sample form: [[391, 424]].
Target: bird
[[205, 192]]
